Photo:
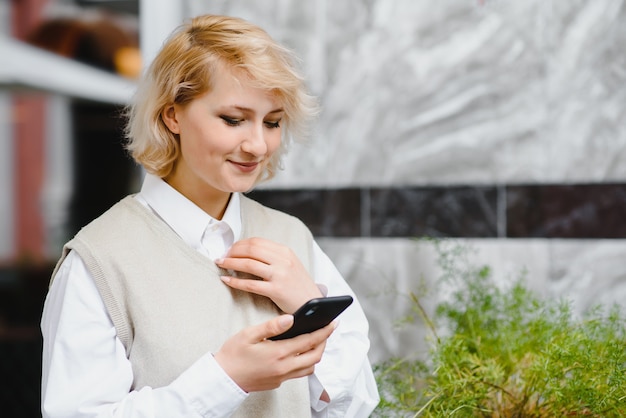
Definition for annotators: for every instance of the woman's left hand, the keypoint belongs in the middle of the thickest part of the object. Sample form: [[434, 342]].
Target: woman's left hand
[[284, 278]]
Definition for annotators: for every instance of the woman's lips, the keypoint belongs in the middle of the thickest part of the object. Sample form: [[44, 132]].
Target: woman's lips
[[245, 167]]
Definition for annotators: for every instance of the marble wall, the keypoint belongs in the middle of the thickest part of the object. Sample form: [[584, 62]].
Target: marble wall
[[499, 123], [423, 92], [568, 240]]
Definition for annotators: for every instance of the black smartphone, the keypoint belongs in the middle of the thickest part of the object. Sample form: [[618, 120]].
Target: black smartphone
[[315, 314]]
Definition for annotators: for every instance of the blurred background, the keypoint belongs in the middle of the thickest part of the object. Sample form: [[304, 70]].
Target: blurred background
[[495, 123]]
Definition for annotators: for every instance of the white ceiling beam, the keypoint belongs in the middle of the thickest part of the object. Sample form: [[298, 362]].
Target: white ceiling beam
[[27, 67]]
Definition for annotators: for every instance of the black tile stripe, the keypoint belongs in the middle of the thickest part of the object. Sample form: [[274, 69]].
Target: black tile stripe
[[591, 211], [434, 211], [567, 211], [327, 212]]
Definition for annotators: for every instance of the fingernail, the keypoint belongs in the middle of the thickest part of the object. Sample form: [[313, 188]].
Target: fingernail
[[285, 320], [225, 279], [218, 260]]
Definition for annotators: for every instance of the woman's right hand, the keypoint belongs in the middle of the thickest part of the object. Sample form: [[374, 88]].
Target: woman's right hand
[[256, 363]]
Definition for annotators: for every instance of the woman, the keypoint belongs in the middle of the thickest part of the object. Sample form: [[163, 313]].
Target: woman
[[164, 305]]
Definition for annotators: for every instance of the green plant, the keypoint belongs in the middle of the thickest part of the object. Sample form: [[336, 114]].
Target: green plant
[[499, 352]]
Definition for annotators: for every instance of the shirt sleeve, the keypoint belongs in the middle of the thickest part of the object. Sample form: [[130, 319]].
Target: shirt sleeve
[[86, 373], [344, 371]]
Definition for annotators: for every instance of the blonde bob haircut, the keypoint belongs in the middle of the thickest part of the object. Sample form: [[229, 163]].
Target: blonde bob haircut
[[182, 71]]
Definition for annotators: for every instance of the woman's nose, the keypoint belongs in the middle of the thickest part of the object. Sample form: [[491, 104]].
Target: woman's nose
[[255, 142]]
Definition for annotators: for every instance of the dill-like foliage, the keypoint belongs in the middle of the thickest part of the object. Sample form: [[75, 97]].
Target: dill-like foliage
[[507, 353]]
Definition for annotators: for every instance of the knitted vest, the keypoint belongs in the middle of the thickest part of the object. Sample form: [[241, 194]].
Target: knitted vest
[[166, 300]]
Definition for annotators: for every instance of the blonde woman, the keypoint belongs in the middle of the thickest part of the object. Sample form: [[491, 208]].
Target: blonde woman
[[164, 305]]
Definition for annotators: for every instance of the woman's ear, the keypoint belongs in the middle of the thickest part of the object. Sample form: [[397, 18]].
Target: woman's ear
[[169, 118]]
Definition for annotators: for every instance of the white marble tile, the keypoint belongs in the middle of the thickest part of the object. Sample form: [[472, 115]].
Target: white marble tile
[[589, 272], [383, 271], [422, 92]]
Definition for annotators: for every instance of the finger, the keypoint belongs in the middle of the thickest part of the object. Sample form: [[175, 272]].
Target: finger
[[298, 364], [270, 328], [258, 287], [257, 248], [246, 265], [309, 358], [306, 359], [304, 371], [312, 341]]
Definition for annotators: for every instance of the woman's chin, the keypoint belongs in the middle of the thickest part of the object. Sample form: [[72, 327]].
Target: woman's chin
[[243, 187]]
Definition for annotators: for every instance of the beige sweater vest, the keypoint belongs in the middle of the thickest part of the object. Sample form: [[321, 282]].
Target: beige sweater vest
[[169, 306]]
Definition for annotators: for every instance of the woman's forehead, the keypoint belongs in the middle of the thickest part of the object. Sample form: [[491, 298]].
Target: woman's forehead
[[234, 87]]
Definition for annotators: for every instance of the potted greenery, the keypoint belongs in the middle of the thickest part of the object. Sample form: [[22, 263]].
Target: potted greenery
[[500, 352]]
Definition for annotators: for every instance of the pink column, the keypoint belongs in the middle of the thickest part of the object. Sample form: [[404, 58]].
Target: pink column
[[29, 136]]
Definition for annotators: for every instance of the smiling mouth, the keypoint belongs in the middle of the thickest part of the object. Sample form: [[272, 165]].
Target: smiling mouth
[[246, 167]]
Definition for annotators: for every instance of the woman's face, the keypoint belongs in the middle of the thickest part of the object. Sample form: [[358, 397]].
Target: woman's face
[[227, 137]]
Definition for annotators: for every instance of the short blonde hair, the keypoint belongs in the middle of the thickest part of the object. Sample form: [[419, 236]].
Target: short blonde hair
[[182, 71]]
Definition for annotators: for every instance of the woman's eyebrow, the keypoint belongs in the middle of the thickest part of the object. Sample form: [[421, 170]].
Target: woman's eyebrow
[[244, 109]]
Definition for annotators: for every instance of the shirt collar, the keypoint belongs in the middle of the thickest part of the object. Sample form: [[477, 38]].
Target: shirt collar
[[184, 216]]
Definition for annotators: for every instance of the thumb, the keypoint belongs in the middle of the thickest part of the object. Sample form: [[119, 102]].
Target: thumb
[[276, 326]]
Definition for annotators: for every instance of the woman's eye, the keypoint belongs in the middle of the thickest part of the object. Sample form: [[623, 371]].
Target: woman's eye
[[231, 121], [273, 125]]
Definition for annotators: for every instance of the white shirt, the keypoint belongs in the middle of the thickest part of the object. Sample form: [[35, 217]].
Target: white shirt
[[85, 369]]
